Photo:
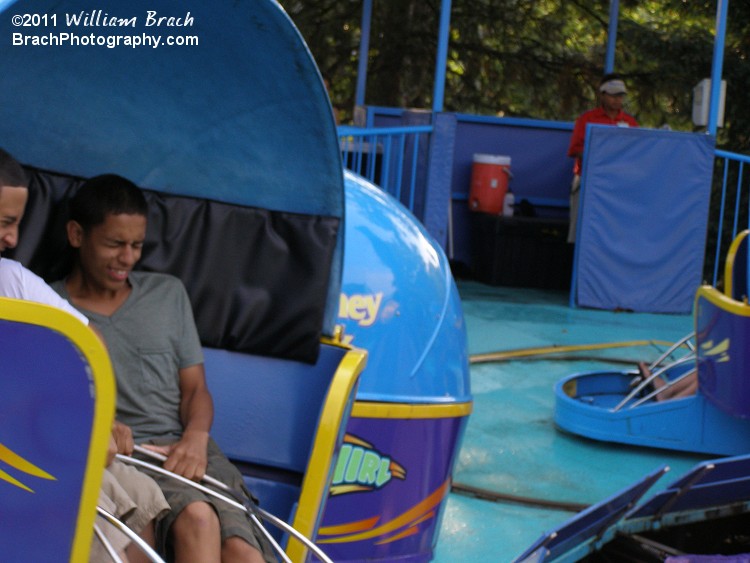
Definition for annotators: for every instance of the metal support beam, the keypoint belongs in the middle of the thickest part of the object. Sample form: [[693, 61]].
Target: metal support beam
[[722, 8], [614, 16], [364, 52], [441, 59]]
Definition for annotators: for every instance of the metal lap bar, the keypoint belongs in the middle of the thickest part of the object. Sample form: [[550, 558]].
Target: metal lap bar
[[107, 545], [135, 538], [669, 384], [210, 492], [649, 379], [215, 482], [686, 340]]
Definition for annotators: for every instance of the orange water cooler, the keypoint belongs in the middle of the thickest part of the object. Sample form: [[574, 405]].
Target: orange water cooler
[[489, 183]]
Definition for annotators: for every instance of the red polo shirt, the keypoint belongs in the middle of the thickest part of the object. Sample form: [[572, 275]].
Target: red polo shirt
[[597, 115]]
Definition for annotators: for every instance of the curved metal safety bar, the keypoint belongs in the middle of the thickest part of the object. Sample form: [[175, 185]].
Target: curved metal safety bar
[[650, 378], [656, 392], [108, 547], [135, 538], [686, 340], [206, 490], [274, 520], [279, 523]]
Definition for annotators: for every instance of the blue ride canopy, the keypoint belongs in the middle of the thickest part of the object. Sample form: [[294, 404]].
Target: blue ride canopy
[[240, 118], [245, 108]]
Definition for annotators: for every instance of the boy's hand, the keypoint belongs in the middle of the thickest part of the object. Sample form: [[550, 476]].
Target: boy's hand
[[187, 457], [123, 437]]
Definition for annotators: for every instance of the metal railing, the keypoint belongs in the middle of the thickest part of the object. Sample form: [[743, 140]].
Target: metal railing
[[729, 211], [387, 156], [390, 157]]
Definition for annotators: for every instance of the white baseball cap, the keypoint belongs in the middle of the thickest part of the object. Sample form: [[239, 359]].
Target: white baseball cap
[[613, 87]]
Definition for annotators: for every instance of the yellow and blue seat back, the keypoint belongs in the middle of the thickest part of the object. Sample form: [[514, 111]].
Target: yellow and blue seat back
[[722, 329], [282, 424], [56, 409]]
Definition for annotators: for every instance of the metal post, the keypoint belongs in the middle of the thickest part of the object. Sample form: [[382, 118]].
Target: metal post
[[441, 58], [614, 15], [722, 8], [364, 52]]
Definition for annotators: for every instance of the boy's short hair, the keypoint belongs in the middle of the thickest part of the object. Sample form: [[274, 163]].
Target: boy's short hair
[[108, 194], [11, 172]]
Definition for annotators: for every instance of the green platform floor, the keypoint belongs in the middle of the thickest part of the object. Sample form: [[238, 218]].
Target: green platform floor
[[511, 446]]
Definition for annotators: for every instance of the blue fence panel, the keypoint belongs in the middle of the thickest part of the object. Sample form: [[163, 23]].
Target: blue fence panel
[[387, 156]]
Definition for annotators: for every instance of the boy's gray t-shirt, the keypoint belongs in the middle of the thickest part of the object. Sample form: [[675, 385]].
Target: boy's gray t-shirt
[[149, 338]]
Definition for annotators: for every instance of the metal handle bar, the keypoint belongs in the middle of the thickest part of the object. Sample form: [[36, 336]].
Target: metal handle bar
[[275, 521], [210, 492], [684, 340], [138, 540], [650, 378]]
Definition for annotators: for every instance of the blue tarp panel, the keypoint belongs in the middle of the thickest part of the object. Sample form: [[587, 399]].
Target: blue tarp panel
[[642, 219]]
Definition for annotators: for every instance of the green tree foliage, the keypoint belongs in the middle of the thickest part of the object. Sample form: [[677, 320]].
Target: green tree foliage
[[539, 59]]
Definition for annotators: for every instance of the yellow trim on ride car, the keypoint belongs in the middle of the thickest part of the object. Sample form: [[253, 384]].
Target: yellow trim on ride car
[[714, 296], [103, 386], [331, 426], [729, 264], [363, 409]]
